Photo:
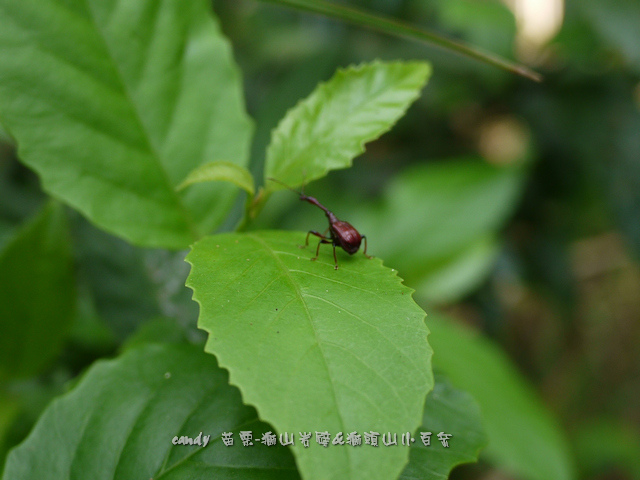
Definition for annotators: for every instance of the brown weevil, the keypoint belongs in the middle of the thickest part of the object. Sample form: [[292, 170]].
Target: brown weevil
[[341, 234]]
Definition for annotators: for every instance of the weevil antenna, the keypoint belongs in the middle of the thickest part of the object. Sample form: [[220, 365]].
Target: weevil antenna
[[301, 194]]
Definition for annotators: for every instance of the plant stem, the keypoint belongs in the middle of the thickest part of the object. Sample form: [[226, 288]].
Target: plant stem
[[400, 29]]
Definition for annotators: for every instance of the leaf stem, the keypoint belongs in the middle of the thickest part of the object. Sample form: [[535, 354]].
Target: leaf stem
[[400, 29]]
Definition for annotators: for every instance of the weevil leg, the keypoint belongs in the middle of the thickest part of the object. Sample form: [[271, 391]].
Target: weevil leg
[[364, 237], [322, 240], [335, 259], [317, 234]]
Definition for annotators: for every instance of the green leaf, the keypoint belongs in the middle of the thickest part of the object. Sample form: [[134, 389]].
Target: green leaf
[[120, 419], [460, 273], [32, 395], [114, 103], [524, 438], [438, 222], [37, 294], [220, 171], [314, 348], [328, 129], [451, 411]]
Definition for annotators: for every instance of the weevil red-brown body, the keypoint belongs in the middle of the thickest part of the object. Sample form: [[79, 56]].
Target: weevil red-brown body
[[341, 234], [347, 236]]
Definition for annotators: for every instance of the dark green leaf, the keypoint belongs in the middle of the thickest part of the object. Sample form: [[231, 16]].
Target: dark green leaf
[[116, 280], [120, 420], [524, 438], [9, 410], [453, 412], [606, 445], [37, 294], [488, 24], [617, 22], [158, 330]]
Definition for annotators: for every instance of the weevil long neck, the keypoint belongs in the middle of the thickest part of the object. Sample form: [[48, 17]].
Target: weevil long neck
[[332, 218]]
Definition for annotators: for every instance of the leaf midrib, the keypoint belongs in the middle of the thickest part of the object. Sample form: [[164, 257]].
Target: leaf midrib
[[352, 112], [153, 150], [287, 275], [163, 470]]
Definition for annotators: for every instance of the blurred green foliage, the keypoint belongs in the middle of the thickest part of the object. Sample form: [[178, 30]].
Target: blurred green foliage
[[554, 277], [561, 296]]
